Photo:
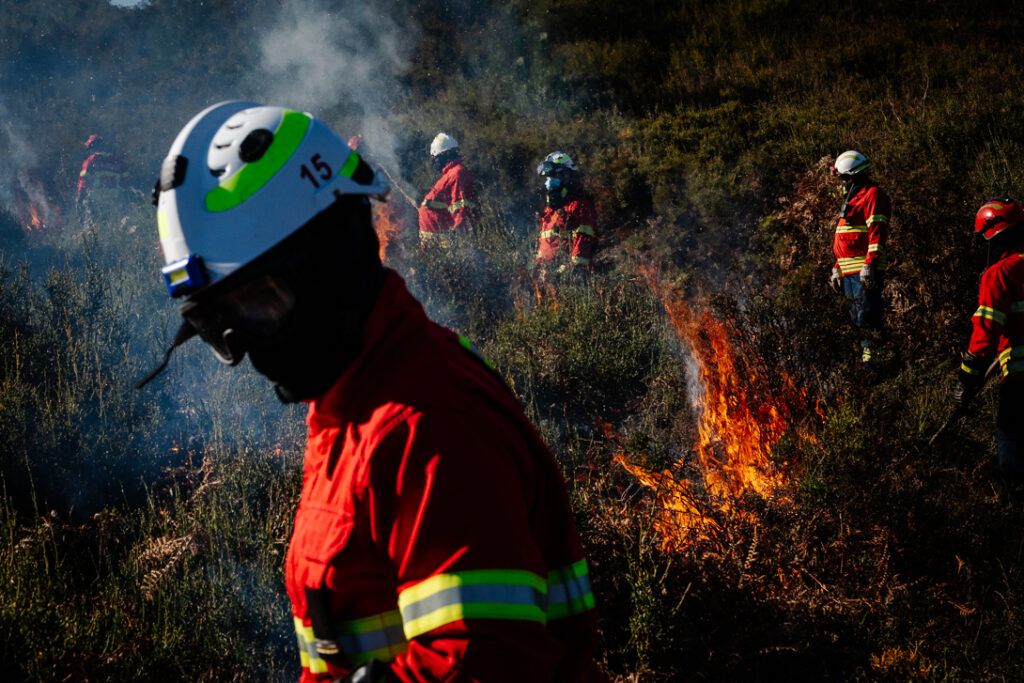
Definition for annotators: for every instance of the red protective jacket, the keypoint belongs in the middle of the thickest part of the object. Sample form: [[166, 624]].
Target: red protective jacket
[[448, 206], [862, 230], [101, 172], [999, 320], [434, 531], [569, 233]]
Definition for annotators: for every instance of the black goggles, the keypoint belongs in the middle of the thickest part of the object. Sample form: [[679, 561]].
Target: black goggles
[[546, 168], [232, 321]]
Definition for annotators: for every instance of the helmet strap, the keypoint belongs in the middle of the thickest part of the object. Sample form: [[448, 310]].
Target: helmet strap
[[185, 332]]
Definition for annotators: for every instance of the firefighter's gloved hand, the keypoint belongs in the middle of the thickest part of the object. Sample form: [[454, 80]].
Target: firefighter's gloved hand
[[969, 379], [867, 276], [836, 281]]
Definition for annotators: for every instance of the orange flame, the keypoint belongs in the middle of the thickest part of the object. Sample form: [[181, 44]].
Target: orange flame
[[34, 222], [745, 408], [387, 224]]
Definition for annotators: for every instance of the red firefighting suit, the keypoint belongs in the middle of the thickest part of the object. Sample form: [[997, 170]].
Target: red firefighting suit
[[568, 233], [999, 333], [102, 176], [999, 320], [434, 530], [862, 230], [449, 206]]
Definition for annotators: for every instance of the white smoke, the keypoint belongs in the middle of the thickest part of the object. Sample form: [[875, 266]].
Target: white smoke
[[349, 56]]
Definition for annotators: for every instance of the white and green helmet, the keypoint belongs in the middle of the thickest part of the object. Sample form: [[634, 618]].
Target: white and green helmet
[[554, 162], [241, 177], [851, 163]]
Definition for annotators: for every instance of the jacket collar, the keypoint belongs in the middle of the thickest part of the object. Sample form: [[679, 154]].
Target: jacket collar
[[395, 314]]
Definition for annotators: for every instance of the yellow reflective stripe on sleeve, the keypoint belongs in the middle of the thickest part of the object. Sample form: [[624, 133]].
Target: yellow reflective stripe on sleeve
[[461, 204], [992, 314], [569, 591], [877, 218], [477, 594], [1011, 360], [874, 247], [851, 228], [586, 230], [376, 637], [432, 204], [308, 656]]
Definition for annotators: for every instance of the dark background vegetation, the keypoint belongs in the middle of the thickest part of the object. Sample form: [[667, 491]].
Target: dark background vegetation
[[143, 532]]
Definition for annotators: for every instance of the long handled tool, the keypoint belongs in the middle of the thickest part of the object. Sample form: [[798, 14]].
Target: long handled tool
[[401, 190], [959, 411]]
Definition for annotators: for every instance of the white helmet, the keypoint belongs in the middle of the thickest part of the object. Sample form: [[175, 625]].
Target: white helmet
[[240, 178], [850, 163], [442, 142], [556, 161]]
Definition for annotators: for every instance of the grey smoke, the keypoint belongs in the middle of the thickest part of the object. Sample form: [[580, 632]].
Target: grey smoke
[[348, 57]]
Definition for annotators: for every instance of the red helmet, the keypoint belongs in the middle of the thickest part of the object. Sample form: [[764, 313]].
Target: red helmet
[[996, 216]]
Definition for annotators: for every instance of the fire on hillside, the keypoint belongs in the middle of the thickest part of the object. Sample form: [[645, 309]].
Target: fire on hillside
[[31, 207], [387, 225], [745, 408]]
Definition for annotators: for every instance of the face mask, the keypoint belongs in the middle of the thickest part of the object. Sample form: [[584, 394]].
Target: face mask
[[552, 183]]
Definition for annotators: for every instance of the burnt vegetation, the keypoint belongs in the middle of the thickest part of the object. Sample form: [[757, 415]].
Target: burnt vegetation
[[144, 532]]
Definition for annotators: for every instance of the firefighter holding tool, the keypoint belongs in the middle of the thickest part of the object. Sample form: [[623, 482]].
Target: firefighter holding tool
[[998, 333], [433, 538], [448, 210]]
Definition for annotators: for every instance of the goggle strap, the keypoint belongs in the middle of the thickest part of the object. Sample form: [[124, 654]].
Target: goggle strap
[[185, 332]]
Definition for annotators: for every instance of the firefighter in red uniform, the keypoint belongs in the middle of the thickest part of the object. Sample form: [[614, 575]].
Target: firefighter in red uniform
[[999, 330], [102, 176], [567, 226], [434, 538], [447, 210], [859, 247]]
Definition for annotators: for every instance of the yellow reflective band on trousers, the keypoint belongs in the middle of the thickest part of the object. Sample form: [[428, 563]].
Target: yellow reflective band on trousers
[[569, 591], [1011, 360], [548, 234], [581, 261], [377, 637], [992, 314], [477, 594], [245, 182], [586, 230]]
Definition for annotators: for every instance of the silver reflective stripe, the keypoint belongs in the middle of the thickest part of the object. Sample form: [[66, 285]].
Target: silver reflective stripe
[[505, 594]]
